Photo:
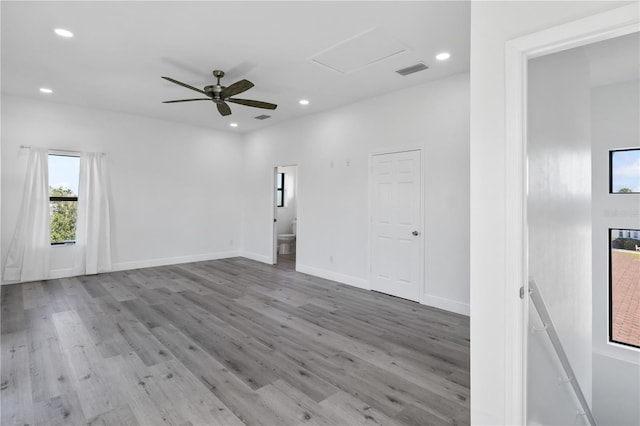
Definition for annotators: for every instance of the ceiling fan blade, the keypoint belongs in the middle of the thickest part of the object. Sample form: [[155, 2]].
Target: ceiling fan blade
[[255, 104], [185, 85], [223, 108], [186, 100], [236, 88]]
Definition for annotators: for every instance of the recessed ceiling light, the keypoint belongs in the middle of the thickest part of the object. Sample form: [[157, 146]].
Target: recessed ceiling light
[[63, 33], [443, 56], [45, 90], [233, 124], [304, 102]]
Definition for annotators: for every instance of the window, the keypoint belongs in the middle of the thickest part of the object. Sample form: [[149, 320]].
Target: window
[[280, 190], [624, 171], [64, 174], [624, 287]]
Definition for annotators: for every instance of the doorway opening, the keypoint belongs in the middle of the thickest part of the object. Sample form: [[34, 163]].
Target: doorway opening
[[578, 103], [527, 224], [285, 216]]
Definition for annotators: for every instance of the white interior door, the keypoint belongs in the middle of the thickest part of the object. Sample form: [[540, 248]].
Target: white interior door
[[396, 224]]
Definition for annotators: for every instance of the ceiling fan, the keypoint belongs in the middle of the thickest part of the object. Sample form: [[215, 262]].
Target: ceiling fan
[[220, 95]]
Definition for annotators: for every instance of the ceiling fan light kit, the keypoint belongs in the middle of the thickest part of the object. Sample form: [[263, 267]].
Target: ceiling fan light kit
[[220, 95]]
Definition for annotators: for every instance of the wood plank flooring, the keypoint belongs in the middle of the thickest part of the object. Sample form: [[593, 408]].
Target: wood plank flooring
[[226, 342]]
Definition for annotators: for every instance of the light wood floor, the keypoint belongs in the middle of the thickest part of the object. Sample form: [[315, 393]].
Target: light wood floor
[[227, 342]]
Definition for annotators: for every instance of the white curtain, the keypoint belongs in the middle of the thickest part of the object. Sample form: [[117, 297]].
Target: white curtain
[[93, 232], [28, 256]]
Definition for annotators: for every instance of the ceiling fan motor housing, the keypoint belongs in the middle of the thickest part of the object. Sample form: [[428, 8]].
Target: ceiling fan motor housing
[[214, 91]]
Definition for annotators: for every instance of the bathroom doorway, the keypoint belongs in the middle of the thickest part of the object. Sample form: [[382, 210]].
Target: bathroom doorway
[[285, 221]]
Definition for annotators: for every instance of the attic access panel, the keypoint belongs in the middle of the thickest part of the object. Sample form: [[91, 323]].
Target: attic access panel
[[359, 51]]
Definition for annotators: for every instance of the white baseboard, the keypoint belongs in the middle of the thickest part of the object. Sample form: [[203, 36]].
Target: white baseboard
[[446, 304], [138, 264], [257, 257], [437, 302], [334, 276]]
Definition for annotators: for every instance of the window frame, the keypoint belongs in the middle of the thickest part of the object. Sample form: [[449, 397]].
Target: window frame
[[611, 152], [280, 177], [610, 290], [57, 198]]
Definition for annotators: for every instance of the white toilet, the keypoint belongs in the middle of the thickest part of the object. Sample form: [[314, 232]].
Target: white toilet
[[287, 242]]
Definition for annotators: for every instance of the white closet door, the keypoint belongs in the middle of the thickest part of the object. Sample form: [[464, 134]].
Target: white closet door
[[396, 224]]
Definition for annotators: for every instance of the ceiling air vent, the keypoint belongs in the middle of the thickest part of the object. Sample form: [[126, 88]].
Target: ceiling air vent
[[262, 117], [412, 69]]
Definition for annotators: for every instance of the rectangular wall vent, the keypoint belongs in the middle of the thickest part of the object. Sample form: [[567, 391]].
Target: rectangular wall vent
[[262, 117], [412, 69]]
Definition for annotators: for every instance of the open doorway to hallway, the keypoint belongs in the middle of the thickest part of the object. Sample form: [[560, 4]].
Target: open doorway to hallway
[[285, 216], [583, 108]]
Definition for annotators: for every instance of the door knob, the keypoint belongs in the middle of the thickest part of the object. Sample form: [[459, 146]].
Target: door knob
[[415, 233]]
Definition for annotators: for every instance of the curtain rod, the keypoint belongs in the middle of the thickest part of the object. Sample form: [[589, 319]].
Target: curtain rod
[[57, 150]]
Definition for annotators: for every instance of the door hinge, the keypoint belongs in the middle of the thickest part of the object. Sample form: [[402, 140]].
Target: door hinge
[[522, 292]]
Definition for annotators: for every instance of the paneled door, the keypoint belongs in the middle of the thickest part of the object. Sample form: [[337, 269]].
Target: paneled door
[[396, 224]]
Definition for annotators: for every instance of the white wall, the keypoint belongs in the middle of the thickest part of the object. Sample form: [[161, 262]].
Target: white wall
[[616, 370], [559, 226], [175, 188], [492, 25], [288, 212], [197, 184], [332, 151], [616, 391]]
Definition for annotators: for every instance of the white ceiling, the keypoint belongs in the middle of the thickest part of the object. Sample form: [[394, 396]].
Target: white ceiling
[[120, 50]]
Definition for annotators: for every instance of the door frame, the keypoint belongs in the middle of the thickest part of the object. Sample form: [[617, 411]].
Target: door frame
[[599, 27], [274, 210], [421, 221]]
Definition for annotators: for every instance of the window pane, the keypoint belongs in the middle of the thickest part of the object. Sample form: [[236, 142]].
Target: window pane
[[279, 199], [63, 220], [625, 171], [280, 181], [624, 287], [64, 174]]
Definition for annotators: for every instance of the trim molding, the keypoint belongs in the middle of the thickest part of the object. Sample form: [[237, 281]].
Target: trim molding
[[149, 263], [333, 276], [255, 256], [427, 300], [449, 305], [138, 264]]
